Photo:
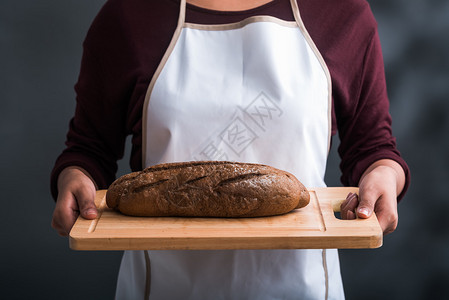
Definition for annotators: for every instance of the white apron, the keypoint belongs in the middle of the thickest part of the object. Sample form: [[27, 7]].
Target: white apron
[[254, 91]]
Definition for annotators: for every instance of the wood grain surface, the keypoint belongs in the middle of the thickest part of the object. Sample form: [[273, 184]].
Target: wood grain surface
[[312, 227]]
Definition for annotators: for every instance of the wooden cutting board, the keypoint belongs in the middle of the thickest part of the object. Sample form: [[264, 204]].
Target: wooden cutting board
[[312, 227]]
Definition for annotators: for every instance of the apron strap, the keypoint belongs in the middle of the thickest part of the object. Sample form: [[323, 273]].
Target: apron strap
[[182, 14]]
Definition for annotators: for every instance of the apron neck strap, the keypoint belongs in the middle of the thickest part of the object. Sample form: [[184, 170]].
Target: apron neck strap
[[296, 14], [182, 14]]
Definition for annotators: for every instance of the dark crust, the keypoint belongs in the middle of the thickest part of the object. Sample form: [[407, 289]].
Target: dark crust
[[182, 165], [207, 189]]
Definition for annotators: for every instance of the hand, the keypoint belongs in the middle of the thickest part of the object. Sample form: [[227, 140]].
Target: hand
[[379, 187], [76, 194]]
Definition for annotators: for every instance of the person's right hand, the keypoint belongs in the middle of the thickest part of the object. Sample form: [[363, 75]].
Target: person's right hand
[[76, 195]]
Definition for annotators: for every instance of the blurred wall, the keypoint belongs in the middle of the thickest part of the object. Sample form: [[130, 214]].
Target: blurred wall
[[40, 52], [413, 263]]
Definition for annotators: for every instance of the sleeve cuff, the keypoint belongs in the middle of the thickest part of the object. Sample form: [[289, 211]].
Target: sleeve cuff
[[362, 165]]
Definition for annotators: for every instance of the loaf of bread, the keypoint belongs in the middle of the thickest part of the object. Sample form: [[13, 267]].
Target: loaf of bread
[[207, 189]]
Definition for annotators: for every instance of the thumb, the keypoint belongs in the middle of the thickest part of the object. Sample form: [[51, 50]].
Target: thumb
[[366, 204], [86, 203]]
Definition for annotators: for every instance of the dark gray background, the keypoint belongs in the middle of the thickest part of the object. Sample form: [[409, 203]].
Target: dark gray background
[[40, 50]]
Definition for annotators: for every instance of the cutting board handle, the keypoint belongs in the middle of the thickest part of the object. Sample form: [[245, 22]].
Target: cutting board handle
[[336, 204]]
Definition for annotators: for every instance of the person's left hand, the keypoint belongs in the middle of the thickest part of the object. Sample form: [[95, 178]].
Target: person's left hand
[[379, 187]]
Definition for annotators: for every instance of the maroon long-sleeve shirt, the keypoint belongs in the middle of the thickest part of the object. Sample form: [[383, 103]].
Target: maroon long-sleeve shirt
[[129, 37]]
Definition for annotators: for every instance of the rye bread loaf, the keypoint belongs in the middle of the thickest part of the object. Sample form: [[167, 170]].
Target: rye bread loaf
[[207, 189]]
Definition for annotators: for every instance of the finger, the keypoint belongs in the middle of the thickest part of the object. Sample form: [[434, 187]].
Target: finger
[[344, 204], [353, 201], [386, 212], [55, 225], [350, 215], [60, 229], [65, 214], [347, 208], [86, 202], [388, 224]]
